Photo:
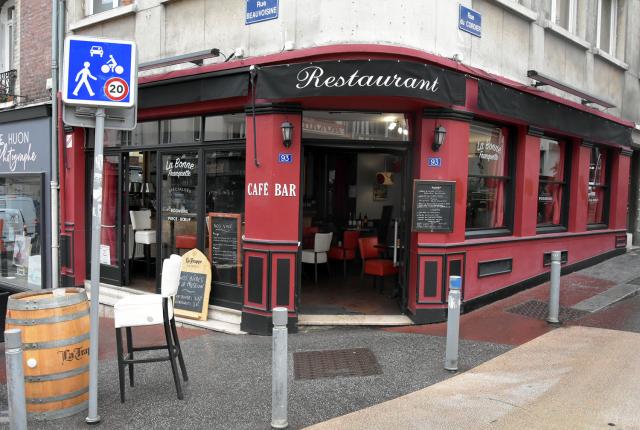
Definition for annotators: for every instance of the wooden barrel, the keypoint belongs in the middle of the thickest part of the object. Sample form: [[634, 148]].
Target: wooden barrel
[[55, 332]]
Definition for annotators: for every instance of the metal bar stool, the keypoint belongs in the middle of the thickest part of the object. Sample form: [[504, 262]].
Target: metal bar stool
[[151, 309]]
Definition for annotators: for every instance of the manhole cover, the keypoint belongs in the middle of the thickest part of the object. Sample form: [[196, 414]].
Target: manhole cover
[[334, 363], [635, 281], [540, 310]]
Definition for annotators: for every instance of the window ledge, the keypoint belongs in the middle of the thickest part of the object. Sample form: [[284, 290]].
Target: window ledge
[[591, 227], [484, 233], [521, 11], [562, 32], [610, 58], [550, 229], [7, 105], [103, 16]]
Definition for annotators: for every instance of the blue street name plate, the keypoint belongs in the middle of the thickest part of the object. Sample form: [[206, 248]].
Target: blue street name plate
[[470, 21], [285, 158], [434, 162], [99, 72], [261, 10]]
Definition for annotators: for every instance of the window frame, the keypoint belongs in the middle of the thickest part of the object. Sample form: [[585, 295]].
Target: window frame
[[566, 189], [509, 193], [88, 7], [606, 187], [613, 30], [44, 246], [573, 15]]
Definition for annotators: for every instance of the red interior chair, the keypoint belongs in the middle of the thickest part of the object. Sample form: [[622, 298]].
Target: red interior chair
[[186, 241], [372, 264], [308, 236], [348, 249]]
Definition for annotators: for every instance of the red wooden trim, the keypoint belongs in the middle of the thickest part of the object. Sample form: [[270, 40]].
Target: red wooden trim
[[437, 299]]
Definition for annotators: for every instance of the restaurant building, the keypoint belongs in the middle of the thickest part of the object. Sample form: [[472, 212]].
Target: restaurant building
[[416, 163]]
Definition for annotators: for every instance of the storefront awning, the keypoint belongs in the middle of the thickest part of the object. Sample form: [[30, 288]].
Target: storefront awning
[[361, 78], [194, 89], [549, 115]]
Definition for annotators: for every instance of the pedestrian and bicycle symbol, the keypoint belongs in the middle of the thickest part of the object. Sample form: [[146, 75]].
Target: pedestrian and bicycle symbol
[[99, 72]]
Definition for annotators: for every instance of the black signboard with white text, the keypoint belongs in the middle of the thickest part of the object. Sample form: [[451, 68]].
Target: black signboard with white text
[[433, 206], [362, 78], [224, 253]]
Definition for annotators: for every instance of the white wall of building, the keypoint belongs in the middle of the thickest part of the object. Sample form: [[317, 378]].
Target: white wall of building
[[516, 36]]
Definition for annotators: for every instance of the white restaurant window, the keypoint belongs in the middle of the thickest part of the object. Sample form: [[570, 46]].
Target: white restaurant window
[[607, 25], [563, 13], [96, 6]]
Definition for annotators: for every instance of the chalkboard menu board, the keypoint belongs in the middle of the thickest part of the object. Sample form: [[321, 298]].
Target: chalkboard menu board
[[433, 205], [224, 252], [192, 299]]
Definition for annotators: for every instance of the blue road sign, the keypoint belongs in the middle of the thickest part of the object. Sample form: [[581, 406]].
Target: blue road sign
[[434, 161], [470, 21], [99, 72], [261, 10]]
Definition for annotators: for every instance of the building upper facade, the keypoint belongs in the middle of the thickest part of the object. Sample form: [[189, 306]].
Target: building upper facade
[[25, 52], [592, 45]]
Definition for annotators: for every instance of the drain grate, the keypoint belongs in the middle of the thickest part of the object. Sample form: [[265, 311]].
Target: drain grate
[[540, 310], [635, 281], [334, 363]]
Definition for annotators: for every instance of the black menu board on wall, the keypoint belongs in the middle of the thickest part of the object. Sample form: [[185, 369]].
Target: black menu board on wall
[[433, 206], [224, 237]]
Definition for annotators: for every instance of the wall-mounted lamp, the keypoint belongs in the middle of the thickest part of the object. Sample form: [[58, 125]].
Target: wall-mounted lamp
[[287, 132], [438, 137]]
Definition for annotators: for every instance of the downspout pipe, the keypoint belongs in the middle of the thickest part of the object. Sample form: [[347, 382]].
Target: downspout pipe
[[55, 229]]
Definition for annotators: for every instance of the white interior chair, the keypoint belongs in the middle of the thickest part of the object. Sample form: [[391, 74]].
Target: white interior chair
[[151, 309], [142, 234], [318, 255]]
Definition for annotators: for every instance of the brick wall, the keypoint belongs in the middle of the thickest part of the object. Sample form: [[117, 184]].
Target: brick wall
[[35, 49]]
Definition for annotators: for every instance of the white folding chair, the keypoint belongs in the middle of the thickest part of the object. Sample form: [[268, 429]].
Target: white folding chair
[[321, 245], [151, 309]]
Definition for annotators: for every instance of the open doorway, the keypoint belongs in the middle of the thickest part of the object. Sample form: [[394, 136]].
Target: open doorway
[[353, 207]]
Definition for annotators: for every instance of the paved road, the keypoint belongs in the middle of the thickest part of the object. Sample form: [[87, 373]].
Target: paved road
[[230, 381]]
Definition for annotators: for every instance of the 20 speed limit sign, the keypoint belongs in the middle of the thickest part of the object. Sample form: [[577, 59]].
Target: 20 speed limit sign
[[116, 89]]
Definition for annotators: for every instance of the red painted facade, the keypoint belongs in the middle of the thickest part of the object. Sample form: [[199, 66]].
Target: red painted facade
[[273, 224]]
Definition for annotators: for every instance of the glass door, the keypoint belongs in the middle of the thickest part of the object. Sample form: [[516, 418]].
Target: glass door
[[180, 205], [113, 268]]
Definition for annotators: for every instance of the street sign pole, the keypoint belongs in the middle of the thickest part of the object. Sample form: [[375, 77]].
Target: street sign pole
[[100, 75], [96, 215]]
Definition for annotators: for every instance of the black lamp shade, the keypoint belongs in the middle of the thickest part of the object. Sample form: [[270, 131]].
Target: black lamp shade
[[438, 137], [287, 132]]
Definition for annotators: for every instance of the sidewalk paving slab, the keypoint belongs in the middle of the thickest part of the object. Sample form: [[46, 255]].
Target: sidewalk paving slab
[[569, 378]]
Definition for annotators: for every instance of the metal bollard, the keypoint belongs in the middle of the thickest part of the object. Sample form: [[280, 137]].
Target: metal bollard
[[453, 324], [279, 370], [554, 296], [15, 379]]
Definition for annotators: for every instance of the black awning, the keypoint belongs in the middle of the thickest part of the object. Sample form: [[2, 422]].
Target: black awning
[[361, 78], [197, 89], [547, 114]]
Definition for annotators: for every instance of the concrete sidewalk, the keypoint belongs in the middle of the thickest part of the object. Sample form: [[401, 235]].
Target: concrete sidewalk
[[569, 378]]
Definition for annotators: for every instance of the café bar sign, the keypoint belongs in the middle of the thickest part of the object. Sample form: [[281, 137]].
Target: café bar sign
[[361, 78]]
